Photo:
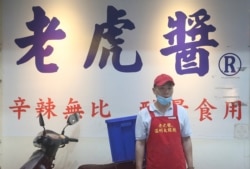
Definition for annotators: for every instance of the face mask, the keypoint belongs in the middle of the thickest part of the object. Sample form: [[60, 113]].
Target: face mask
[[163, 101]]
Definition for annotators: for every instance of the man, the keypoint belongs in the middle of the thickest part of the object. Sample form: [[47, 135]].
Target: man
[[163, 131]]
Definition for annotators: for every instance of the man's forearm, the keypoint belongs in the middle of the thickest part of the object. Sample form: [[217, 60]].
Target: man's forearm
[[187, 146], [139, 157]]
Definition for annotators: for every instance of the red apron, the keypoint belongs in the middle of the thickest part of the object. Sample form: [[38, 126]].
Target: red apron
[[164, 148]]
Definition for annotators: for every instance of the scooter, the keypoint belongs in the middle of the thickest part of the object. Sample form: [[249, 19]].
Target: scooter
[[48, 143]]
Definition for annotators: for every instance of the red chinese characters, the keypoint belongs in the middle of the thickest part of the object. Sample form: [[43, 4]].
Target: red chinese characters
[[47, 108], [206, 109], [19, 107]]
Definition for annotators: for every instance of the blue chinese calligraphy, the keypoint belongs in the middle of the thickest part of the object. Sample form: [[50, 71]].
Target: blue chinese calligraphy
[[109, 31], [38, 40], [190, 58]]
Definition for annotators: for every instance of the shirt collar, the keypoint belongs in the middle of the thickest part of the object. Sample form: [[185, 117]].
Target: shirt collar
[[154, 109]]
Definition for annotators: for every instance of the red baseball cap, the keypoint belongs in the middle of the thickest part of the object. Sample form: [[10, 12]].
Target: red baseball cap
[[162, 79]]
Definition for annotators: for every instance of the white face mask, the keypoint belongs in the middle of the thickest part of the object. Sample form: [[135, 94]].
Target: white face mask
[[163, 101]]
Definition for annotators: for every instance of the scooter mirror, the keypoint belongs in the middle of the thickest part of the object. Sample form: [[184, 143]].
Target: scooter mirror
[[41, 121], [73, 118]]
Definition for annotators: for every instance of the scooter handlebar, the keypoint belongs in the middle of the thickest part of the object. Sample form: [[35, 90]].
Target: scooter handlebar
[[73, 140], [52, 139]]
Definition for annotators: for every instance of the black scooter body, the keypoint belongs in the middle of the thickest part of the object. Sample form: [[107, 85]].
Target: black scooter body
[[48, 143]]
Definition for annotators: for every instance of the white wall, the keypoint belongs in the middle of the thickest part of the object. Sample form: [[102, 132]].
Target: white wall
[[208, 153], [1, 162]]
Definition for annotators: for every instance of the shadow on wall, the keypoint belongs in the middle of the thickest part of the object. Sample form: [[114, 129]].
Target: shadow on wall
[[122, 165]]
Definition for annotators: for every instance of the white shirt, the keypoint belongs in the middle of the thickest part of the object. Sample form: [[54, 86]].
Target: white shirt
[[143, 121]]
